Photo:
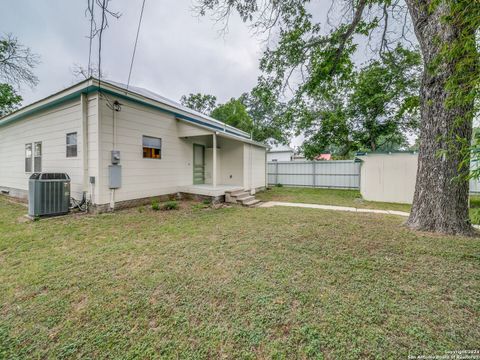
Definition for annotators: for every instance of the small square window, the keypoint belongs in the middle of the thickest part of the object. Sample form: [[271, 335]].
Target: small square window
[[72, 144], [152, 147]]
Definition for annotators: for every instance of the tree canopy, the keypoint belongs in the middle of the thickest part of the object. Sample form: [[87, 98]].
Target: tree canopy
[[202, 103], [16, 62], [376, 108], [16, 68], [9, 99], [234, 113]]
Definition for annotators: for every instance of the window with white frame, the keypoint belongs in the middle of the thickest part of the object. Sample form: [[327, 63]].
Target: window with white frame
[[37, 156], [28, 158], [72, 144]]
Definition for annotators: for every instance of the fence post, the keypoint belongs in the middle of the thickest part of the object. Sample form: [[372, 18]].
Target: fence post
[[314, 168], [276, 173]]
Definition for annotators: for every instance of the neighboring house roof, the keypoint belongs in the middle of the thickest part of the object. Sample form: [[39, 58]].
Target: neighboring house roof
[[280, 148], [323, 157], [135, 94]]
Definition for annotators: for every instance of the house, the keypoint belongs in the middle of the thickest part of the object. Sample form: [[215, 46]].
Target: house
[[280, 153], [323, 157], [121, 146]]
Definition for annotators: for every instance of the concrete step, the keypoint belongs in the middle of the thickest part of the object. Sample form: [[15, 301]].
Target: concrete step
[[235, 196], [246, 199], [235, 192], [242, 196], [252, 203]]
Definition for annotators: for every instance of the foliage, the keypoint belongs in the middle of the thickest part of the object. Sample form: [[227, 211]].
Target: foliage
[[372, 110], [199, 102], [284, 283], [16, 62], [266, 112], [9, 99], [170, 205], [257, 112], [155, 205], [234, 113]]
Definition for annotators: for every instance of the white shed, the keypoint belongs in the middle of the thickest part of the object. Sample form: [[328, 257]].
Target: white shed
[[280, 153], [388, 177]]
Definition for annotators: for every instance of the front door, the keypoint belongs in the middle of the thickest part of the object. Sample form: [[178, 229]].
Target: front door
[[198, 164]]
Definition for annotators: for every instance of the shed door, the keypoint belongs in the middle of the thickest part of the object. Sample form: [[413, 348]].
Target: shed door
[[198, 164]]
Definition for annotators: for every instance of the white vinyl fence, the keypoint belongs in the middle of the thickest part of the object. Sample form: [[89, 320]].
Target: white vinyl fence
[[340, 174]]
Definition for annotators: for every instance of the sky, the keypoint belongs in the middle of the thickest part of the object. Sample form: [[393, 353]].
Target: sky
[[177, 53]]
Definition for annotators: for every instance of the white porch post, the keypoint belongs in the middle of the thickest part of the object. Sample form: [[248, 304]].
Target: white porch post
[[214, 152]]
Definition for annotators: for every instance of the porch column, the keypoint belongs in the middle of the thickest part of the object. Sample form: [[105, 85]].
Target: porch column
[[214, 152]]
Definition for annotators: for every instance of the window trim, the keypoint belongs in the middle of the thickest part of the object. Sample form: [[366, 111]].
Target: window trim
[[31, 158], [67, 145], [149, 147], [35, 157]]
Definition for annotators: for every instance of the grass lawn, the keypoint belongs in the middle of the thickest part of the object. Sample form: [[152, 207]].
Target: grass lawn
[[233, 283], [345, 198]]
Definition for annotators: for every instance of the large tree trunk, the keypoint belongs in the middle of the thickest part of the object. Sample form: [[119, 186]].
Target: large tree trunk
[[440, 202]]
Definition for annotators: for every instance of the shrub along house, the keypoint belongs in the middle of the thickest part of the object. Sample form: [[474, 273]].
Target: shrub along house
[[121, 146]]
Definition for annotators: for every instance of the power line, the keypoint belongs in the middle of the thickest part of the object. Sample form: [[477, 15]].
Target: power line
[[135, 46], [91, 7], [100, 45]]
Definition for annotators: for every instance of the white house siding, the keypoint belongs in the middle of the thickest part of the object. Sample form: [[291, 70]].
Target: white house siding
[[388, 177], [93, 141], [279, 156], [231, 159], [50, 127], [141, 177], [209, 164], [254, 166]]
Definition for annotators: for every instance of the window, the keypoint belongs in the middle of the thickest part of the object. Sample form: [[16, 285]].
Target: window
[[37, 154], [72, 144], [28, 158], [152, 147]]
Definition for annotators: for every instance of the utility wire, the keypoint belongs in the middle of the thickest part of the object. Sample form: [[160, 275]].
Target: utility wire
[[100, 45], [135, 46], [91, 7]]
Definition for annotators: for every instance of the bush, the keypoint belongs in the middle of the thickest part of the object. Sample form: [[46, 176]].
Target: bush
[[278, 185], [207, 201], [155, 205], [170, 205]]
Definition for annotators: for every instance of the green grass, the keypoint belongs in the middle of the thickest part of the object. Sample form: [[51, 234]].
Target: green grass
[[233, 283], [345, 198], [338, 197]]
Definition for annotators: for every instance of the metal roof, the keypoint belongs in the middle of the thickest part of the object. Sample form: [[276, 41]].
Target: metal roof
[[280, 148], [136, 94]]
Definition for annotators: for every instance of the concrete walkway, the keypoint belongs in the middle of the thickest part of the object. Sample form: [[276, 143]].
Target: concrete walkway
[[334, 208]]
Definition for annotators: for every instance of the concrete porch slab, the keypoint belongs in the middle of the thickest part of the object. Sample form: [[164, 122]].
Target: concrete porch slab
[[208, 189]]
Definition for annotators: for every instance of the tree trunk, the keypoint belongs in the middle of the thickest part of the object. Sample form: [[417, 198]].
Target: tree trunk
[[440, 202]]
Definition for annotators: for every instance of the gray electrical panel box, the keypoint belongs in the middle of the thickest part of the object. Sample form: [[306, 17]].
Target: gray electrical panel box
[[48, 194], [115, 157], [114, 176]]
